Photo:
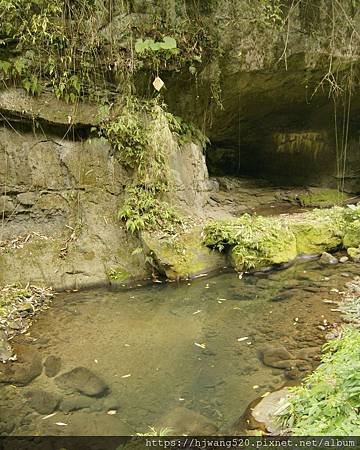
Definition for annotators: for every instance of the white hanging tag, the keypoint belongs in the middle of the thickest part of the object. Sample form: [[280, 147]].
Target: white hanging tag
[[158, 83]]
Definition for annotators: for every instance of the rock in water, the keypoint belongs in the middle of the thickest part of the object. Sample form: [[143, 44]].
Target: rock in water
[[327, 259], [354, 254], [52, 365], [276, 356], [27, 367], [265, 411], [183, 421], [82, 380], [42, 401], [75, 403]]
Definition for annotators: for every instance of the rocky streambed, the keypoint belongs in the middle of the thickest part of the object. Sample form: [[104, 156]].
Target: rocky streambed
[[187, 357]]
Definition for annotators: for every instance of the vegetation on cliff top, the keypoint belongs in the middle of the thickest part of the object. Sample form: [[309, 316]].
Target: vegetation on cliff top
[[73, 49]]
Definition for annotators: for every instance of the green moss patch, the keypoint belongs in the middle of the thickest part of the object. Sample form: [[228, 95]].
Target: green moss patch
[[256, 241], [352, 232], [181, 256], [319, 231], [322, 198], [118, 274]]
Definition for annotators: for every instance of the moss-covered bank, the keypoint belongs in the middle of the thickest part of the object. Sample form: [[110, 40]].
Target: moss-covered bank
[[256, 241]]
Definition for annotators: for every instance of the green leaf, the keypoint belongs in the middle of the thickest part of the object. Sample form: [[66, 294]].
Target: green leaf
[[168, 43], [19, 65], [5, 66], [192, 70], [26, 85], [155, 46]]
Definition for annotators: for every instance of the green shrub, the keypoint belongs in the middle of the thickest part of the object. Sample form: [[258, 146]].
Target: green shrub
[[328, 403], [143, 210], [142, 139]]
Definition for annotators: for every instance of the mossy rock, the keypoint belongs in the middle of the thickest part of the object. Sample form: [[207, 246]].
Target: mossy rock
[[352, 234], [354, 253], [183, 256], [322, 198], [314, 237], [319, 231], [270, 249], [256, 241]]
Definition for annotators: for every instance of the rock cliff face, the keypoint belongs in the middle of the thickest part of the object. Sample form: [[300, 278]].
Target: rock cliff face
[[281, 100], [60, 200]]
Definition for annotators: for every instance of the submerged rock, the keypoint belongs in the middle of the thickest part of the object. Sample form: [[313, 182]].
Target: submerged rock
[[27, 367], [183, 421], [75, 403], [52, 366], [42, 401], [276, 356], [82, 380], [328, 259]]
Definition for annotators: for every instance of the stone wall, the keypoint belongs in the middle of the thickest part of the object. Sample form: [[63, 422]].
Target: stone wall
[[59, 201]]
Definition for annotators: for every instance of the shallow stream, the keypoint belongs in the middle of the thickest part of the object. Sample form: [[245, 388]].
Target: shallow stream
[[188, 357]]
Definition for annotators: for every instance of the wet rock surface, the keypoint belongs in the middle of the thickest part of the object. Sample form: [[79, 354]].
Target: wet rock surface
[[264, 412], [42, 401], [82, 380], [327, 258], [52, 366], [185, 421], [27, 367]]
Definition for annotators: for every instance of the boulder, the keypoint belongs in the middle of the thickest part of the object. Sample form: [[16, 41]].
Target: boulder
[[27, 367], [182, 257], [277, 356], [265, 411], [42, 401], [328, 259], [82, 380], [354, 253]]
